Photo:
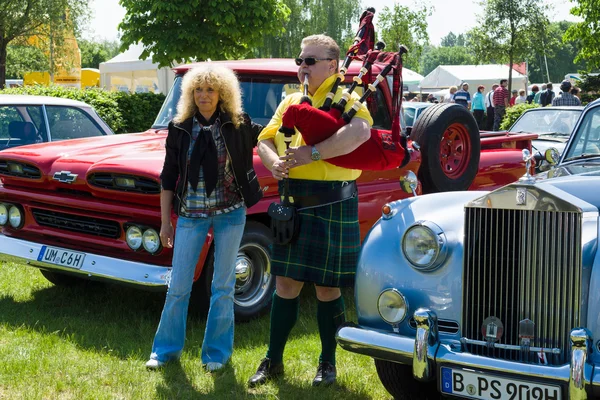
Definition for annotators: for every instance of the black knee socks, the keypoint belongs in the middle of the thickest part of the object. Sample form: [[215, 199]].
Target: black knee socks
[[330, 315], [284, 314]]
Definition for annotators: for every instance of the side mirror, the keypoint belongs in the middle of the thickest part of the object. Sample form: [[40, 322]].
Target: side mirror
[[409, 183], [551, 155]]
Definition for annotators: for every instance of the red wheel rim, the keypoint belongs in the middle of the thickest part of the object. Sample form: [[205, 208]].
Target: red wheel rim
[[455, 150]]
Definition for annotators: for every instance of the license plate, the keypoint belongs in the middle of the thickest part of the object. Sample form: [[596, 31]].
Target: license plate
[[476, 385], [66, 258]]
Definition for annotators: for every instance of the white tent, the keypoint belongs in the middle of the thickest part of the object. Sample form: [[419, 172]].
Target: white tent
[[410, 80], [445, 76], [126, 72]]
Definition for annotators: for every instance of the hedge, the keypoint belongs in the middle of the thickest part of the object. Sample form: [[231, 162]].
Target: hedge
[[123, 112], [513, 113]]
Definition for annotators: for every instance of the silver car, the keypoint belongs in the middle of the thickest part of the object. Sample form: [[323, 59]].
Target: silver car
[[38, 119], [489, 295]]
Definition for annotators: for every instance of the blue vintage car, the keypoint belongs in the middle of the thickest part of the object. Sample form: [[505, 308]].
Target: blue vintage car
[[489, 295]]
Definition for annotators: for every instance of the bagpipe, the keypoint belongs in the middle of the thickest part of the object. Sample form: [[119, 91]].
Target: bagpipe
[[384, 149]]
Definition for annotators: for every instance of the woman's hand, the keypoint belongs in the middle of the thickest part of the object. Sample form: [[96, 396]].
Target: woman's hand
[[166, 235]]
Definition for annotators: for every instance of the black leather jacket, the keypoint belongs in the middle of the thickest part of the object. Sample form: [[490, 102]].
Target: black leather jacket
[[239, 143]]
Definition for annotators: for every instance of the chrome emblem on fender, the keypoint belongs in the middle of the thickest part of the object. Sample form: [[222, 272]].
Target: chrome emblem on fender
[[492, 330], [521, 196], [64, 176]]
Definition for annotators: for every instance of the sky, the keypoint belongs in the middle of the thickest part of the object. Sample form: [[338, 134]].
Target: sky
[[457, 16]]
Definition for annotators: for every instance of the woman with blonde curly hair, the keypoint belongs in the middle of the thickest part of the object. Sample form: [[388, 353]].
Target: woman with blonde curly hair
[[208, 180]]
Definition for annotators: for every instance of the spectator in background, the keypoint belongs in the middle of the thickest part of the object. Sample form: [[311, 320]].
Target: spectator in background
[[431, 98], [463, 97], [531, 96], [448, 98], [479, 106], [547, 96], [536, 98], [500, 103], [522, 99], [512, 100], [489, 106], [575, 92], [565, 98]]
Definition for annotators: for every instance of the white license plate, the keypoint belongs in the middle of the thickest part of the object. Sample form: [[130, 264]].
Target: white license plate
[[66, 258], [477, 385]]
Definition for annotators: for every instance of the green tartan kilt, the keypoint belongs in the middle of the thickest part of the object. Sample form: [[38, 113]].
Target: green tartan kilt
[[327, 247]]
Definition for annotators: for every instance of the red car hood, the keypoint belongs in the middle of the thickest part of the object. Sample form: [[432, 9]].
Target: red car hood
[[140, 154]]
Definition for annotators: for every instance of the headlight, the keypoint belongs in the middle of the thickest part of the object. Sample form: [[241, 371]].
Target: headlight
[[424, 245], [392, 306], [3, 214], [133, 237], [15, 217], [151, 241]]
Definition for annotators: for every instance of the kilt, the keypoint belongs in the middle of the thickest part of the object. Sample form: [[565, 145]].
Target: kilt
[[327, 247]]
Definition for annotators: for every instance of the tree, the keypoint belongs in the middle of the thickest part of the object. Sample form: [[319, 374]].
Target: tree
[[307, 17], [507, 31], [184, 30], [23, 59], [407, 26], [586, 32], [449, 40], [44, 18], [93, 53], [433, 56]]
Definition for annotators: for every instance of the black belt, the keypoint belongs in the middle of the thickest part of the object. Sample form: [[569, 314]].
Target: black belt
[[344, 192]]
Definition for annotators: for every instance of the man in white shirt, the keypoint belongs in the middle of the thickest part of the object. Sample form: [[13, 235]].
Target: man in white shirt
[[489, 106]]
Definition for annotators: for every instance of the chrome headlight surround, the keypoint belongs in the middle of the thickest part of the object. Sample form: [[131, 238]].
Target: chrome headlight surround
[[151, 241], [425, 246], [3, 214], [16, 217], [392, 306], [133, 237]]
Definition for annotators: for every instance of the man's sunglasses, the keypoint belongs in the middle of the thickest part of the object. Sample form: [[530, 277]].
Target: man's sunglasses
[[310, 60]]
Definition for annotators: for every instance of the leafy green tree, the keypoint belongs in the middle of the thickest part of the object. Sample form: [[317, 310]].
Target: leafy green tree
[[433, 56], [307, 17], [24, 18], [408, 26], [93, 53], [586, 32], [506, 32], [23, 59], [184, 30]]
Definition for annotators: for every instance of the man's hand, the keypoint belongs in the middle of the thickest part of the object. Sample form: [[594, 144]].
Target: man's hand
[[280, 169], [298, 156]]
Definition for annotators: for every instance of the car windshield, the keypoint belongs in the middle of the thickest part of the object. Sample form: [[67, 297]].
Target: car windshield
[[547, 120], [409, 115], [586, 141], [262, 95]]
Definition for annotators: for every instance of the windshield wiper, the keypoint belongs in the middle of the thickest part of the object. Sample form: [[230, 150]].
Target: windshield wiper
[[583, 156]]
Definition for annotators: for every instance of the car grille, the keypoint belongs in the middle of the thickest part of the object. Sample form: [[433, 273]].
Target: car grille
[[22, 170], [77, 223], [444, 325], [522, 264], [137, 184]]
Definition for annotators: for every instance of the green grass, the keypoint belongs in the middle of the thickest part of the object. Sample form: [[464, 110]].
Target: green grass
[[92, 341]]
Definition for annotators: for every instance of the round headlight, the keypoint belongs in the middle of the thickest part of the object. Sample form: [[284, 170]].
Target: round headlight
[[133, 237], [392, 306], [15, 218], [151, 241], [423, 244], [3, 214]]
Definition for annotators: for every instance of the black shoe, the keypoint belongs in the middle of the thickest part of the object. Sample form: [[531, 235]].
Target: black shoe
[[326, 374], [266, 370]]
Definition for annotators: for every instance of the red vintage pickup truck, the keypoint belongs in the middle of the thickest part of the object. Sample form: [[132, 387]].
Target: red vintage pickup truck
[[89, 208]]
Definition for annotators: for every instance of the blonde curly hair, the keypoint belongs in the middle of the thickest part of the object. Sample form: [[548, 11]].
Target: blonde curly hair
[[218, 77]]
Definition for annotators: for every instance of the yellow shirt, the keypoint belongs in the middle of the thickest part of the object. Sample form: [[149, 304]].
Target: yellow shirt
[[316, 170]]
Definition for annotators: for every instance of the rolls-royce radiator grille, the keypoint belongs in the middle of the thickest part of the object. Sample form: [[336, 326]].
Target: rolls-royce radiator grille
[[77, 223], [518, 265]]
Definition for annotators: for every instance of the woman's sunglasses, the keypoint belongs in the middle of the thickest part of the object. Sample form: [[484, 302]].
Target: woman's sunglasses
[[310, 60]]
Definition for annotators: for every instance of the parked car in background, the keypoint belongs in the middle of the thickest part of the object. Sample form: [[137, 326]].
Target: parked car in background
[[411, 110], [489, 294], [553, 125], [38, 119]]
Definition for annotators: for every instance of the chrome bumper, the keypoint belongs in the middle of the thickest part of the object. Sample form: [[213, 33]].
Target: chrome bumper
[[94, 266], [426, 353]]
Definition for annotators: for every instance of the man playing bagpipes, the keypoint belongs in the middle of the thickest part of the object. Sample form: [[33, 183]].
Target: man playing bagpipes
[[325, 248]]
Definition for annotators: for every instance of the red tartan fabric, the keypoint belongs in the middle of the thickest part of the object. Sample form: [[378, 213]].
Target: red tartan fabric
[[378, 153]]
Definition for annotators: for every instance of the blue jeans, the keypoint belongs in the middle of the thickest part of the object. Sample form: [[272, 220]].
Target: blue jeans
[[189, 239]]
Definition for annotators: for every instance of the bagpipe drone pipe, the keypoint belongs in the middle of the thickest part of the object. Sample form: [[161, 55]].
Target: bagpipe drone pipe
[[384, 149]]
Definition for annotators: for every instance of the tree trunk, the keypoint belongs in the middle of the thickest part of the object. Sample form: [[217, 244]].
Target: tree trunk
[[3, 46], [510, 71]]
